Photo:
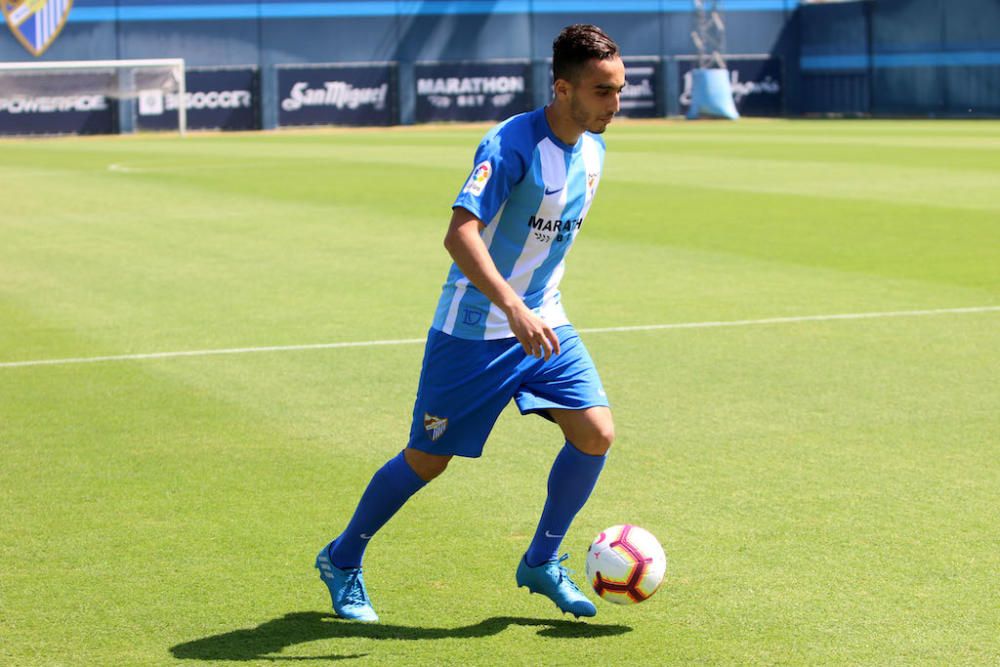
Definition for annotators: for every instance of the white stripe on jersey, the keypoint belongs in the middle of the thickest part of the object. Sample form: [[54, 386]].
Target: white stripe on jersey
[[552, 310], [462, 284], [552, 161], [592, 161], [550, 307]]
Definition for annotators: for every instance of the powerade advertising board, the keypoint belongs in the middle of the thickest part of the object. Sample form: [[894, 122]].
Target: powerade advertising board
[[470, 91], [756, 82], [223, 99], [337, 95], [70, 110]]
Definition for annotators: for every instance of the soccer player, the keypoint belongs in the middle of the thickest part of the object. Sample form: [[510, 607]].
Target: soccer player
[[500, 331]]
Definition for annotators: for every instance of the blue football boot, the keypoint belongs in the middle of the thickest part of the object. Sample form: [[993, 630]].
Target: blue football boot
[[552, 580], [347, 589]]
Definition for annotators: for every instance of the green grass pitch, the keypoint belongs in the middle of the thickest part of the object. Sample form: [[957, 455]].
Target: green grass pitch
[[826, 490]]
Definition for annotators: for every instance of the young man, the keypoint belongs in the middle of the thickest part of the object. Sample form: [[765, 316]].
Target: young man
[[500, 331]]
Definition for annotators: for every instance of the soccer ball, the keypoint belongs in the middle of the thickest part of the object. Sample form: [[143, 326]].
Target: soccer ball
[[625, 564]]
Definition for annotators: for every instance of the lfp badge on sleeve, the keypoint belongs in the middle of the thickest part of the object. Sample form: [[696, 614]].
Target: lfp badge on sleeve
[[36, 23]]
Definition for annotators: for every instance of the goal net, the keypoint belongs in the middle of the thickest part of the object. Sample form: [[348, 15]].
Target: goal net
[[85, 96]]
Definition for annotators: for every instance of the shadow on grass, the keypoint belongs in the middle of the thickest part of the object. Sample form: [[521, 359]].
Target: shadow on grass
[[300, 627]]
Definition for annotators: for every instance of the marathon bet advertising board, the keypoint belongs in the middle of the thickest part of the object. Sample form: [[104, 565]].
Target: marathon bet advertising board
[[471, 91]]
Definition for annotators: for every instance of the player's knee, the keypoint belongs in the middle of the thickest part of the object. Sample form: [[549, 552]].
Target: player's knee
[[605, 438], [597, 440], [427, 466]]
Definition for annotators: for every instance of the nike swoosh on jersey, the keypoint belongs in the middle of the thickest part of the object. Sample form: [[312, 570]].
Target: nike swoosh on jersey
[[552, 192]]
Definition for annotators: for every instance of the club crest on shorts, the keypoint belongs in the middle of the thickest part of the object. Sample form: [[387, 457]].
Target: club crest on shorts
[[36, 23], [435, 426]]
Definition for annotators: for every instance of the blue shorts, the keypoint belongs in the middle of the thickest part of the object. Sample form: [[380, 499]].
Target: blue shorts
[[465, 385]]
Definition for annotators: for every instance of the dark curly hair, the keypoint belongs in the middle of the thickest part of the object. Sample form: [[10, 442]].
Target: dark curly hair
[[576, 45]]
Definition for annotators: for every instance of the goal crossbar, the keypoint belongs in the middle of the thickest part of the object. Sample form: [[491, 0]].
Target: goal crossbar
[[95, 64]]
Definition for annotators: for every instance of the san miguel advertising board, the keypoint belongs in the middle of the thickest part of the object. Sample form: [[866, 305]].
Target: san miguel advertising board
[[216, 99], [337, 95], [471, 91], [757, 85]]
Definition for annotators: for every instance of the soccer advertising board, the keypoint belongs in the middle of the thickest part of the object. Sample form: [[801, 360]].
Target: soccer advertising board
[[471, 91], [757, 85], [223, 99], [337, 95]]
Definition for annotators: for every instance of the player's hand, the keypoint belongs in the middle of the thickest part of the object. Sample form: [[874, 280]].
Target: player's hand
[[536, 337]]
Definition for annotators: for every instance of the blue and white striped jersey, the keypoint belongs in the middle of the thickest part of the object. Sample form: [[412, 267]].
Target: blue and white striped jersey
[[532, 191]]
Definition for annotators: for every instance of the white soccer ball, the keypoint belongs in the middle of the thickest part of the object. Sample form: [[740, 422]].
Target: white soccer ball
[[625, 564]]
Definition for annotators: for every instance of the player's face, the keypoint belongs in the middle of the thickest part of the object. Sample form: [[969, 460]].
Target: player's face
[[595, 98]]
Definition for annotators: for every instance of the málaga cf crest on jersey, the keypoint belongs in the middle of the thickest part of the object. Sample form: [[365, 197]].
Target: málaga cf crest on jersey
[[36, 23]]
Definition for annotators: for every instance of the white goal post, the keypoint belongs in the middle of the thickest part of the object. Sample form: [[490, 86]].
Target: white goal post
[[26, 80]]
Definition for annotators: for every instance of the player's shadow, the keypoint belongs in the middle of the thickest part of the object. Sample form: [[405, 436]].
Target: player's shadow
[[273, 636]]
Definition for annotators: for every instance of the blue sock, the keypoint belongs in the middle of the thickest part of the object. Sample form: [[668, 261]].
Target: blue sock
[[571, 480], [391, 486]]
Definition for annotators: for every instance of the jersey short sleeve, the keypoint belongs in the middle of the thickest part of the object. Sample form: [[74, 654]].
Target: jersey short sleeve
[[500, 164]]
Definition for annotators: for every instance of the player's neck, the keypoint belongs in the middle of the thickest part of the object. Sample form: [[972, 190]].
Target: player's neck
[[562, 124]]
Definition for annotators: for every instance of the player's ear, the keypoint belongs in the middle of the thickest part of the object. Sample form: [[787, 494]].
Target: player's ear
[[562, 88]]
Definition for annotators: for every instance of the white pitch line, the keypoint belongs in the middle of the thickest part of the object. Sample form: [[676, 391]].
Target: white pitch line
[[799, 318], [119, 168], [207, 353], [415, 341]]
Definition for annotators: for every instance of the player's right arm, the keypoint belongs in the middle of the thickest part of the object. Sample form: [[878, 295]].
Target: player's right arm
[[465, 245]]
